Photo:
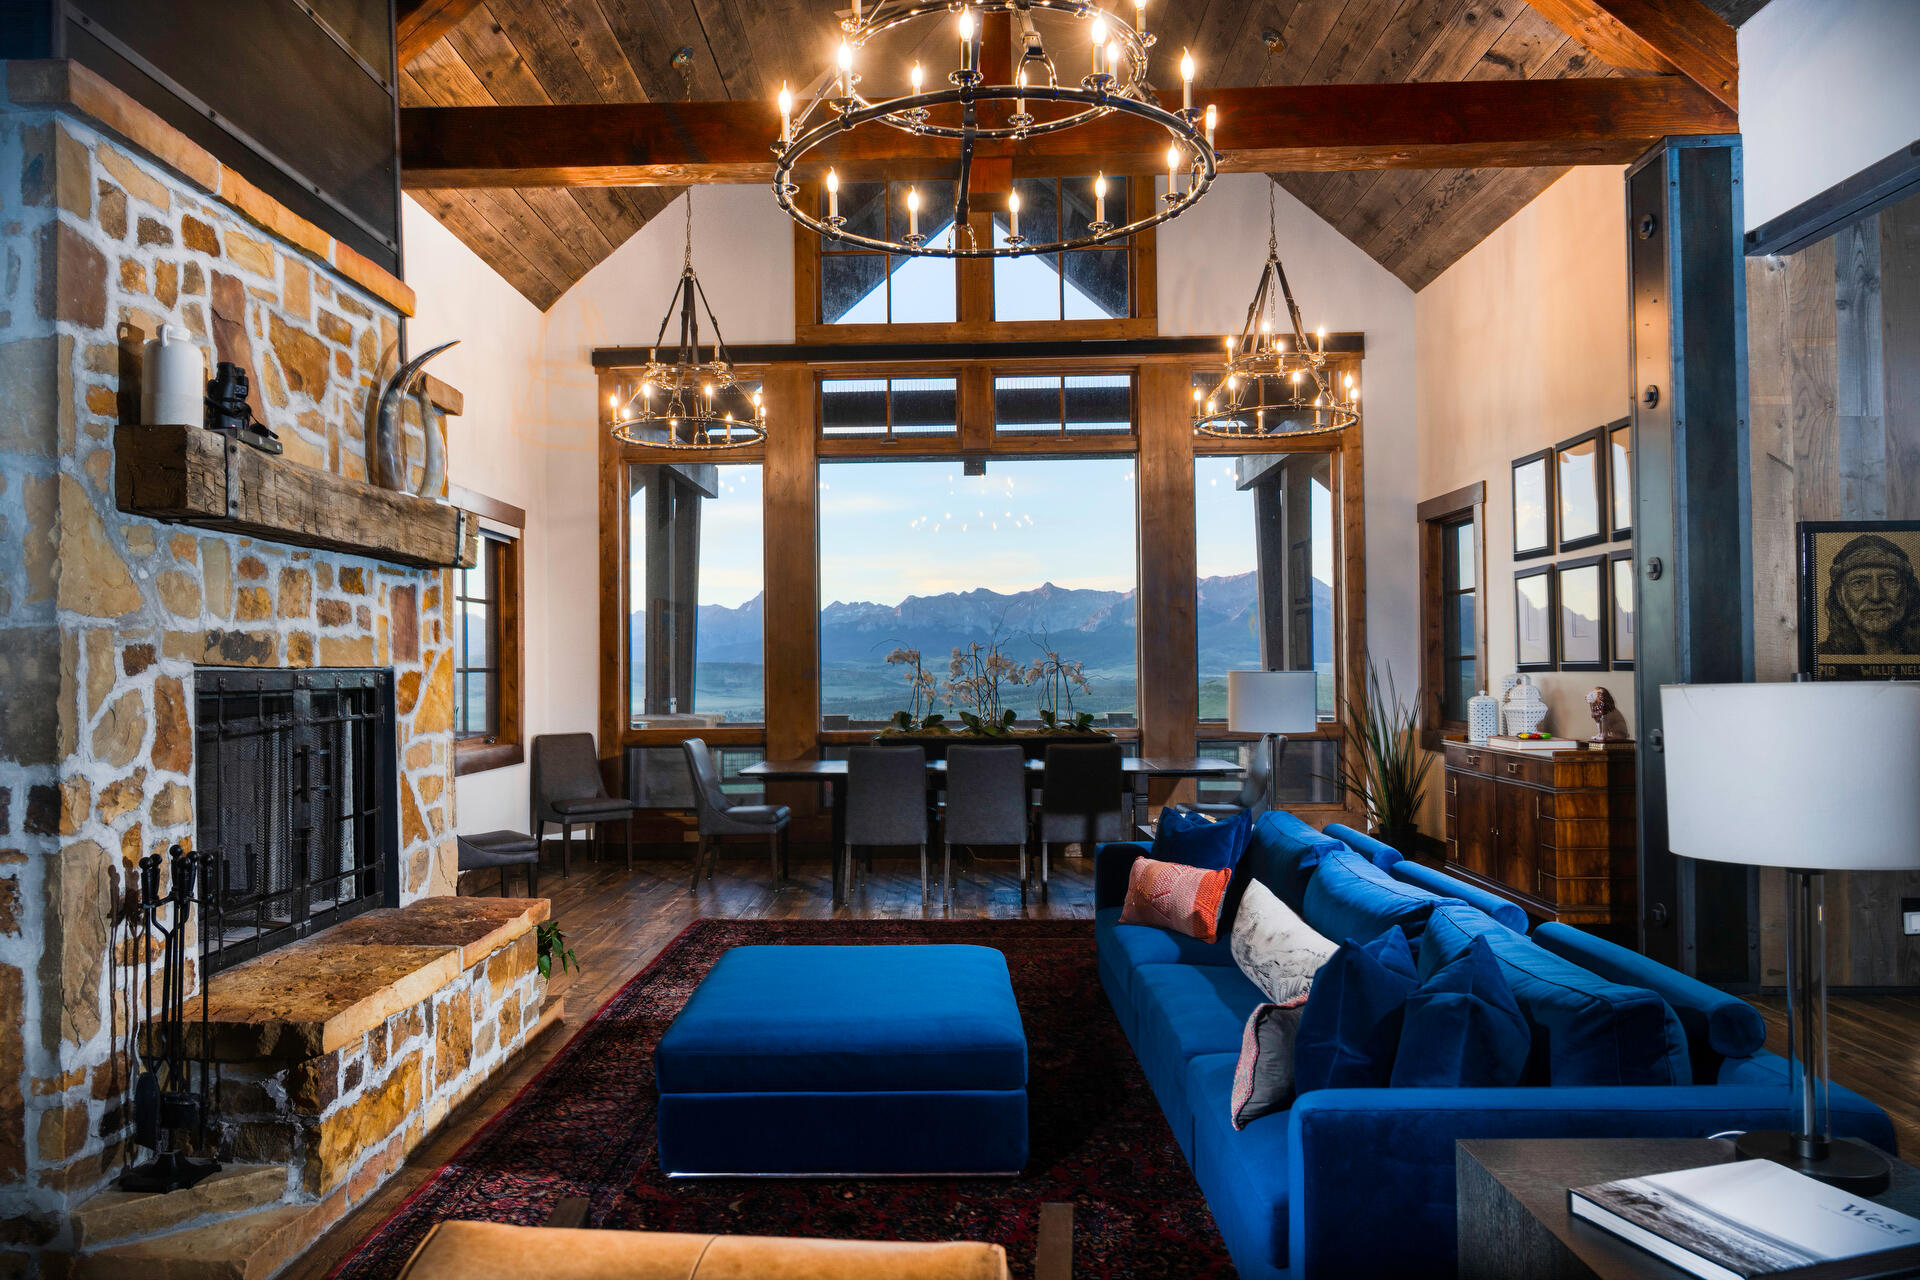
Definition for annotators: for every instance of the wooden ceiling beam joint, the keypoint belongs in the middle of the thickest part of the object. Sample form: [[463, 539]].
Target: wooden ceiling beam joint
[[1681, 37]]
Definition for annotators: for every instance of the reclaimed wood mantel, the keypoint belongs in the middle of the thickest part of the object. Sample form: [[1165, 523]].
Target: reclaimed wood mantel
[[189, 475]]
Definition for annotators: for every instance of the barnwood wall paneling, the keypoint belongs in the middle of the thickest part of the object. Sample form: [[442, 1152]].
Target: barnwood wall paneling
[[1833, 336]]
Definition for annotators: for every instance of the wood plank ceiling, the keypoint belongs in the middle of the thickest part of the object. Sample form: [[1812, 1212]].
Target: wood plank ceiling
[[1415, 223]]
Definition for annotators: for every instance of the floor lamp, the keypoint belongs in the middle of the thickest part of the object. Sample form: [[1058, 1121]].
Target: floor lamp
[[1273, 703], [1811, 778]]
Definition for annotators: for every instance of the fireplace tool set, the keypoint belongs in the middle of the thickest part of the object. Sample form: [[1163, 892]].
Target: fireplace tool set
[[165, 1099]]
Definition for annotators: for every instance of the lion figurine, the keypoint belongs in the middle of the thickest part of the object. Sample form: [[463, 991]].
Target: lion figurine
[[1609, 724]]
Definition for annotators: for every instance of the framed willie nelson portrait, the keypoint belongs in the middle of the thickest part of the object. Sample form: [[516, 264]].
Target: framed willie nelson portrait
[[1860, 599]]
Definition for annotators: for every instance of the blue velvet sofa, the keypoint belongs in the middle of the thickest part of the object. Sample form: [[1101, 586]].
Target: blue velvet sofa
[[1359, 1182]]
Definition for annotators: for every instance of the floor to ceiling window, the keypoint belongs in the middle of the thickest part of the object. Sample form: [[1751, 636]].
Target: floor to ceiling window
[[696, 582], [1032, 562]]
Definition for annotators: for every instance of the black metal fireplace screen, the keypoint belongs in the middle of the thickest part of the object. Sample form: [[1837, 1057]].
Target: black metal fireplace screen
[[296, 803]]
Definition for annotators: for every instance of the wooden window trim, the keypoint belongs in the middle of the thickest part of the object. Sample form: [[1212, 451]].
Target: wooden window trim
[[507, 744], [1162, 415], [1435, 516], [973, 294]]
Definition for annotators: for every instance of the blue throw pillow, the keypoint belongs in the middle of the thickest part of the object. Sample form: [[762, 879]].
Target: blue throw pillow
[[1282, 852], [1350, 1028], [1349, 899], [1463, 1028], [1195, 840]]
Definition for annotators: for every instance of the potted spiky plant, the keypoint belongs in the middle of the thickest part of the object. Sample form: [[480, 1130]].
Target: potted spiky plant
[[1382, 762]]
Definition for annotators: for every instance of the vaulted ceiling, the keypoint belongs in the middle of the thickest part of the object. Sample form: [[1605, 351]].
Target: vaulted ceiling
[[1414, 222]]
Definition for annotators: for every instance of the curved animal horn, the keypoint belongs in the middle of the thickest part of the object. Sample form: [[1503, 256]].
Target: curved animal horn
[[389, 437]]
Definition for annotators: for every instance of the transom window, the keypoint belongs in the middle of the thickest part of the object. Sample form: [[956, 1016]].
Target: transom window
[[862, 286], [1075, 284], [1072, 404], [883, 408]]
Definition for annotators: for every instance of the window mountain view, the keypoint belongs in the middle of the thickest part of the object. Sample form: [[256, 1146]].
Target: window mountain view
[[1093, 627]]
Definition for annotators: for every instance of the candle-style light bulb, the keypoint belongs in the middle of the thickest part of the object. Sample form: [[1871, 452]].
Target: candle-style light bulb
[[1140, 17], [966, 39], [646, 391], [1173, 170], [1229, 341], [845, 59], [1320, 336], [914, 78], [1186, 80], [913, 211], [1099, 39], [786, 113], [1013, 217], [613, 400], [1113, 58], [833, 194], [1100, 197], [1212, 119]]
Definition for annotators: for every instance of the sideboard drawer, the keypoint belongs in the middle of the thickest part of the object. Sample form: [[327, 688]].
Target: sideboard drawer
[[1469, 759], [1514, 766]]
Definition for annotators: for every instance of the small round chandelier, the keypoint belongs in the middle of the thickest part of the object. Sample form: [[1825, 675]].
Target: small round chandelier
[[972, 113], [1277, 381], [684, 402]]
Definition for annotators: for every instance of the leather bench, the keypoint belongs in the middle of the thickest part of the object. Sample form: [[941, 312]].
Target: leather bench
[[492, 1251]]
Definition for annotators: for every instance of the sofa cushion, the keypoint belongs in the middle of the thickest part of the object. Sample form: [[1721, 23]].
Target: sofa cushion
[[1182, 1011], [844, 1019], [1351, 900], [1586, 1030], [1463, 1028], [1383, 856], [1196, 840], [1244, 1172], [1282, 853], [1126, 947], [1510, 914], [1718, 1025], [1351, 1027]]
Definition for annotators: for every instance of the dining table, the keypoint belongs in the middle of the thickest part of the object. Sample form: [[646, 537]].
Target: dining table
[[831, 776]]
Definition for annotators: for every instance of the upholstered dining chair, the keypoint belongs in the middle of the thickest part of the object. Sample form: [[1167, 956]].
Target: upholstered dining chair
[[986, 804], [565, 787], [1252, 797], [1082, 798], [718, 816], [886, 803]]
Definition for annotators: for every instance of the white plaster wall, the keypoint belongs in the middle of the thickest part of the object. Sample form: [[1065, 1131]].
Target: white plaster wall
[[1209, 264], [1523, 343], [494, 448], [1827, 87]]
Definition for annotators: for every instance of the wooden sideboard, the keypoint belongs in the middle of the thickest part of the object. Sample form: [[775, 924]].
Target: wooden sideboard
[[1552, 830]]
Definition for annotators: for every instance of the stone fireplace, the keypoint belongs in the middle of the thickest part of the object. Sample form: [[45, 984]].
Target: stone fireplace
[[130, 647]]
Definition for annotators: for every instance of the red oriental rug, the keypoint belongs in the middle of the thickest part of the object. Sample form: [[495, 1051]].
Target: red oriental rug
[[584, 1128]]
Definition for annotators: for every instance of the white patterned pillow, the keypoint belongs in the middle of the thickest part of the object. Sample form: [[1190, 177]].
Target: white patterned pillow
[[1263, 1078], [1274, 947]]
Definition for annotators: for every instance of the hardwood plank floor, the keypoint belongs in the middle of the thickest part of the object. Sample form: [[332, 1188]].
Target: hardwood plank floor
[[617, 922]]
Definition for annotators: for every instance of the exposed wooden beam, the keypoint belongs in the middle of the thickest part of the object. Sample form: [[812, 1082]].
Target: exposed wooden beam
[[1496, 123], [418, 23], [1679, 36]]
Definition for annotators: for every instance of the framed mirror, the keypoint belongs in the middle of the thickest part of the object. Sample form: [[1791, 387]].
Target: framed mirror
[[1533, 505], [1620, 477], [1581, 608], [1620, 609], [1579, 483], [1533, 619]]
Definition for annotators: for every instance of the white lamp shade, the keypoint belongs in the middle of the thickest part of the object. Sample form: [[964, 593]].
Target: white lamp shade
[[1821, 776], [1273, 701]]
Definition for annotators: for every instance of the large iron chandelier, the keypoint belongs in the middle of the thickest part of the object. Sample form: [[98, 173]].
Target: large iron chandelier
[[685, 402], [971, 111], [1277, 381]]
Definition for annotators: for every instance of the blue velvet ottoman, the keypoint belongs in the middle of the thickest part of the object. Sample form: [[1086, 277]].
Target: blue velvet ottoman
[[825, 1061]]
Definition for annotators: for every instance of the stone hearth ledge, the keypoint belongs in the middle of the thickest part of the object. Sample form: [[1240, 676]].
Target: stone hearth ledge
[[325, 992]]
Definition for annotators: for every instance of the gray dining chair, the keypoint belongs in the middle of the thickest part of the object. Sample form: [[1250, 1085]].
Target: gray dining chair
[[886, 803], [717, 815], [1252, 797], [986, 804], [1082, 799], [564, 787]]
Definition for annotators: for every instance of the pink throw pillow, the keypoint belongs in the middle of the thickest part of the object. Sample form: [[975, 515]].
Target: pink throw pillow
[[1169, 895]]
